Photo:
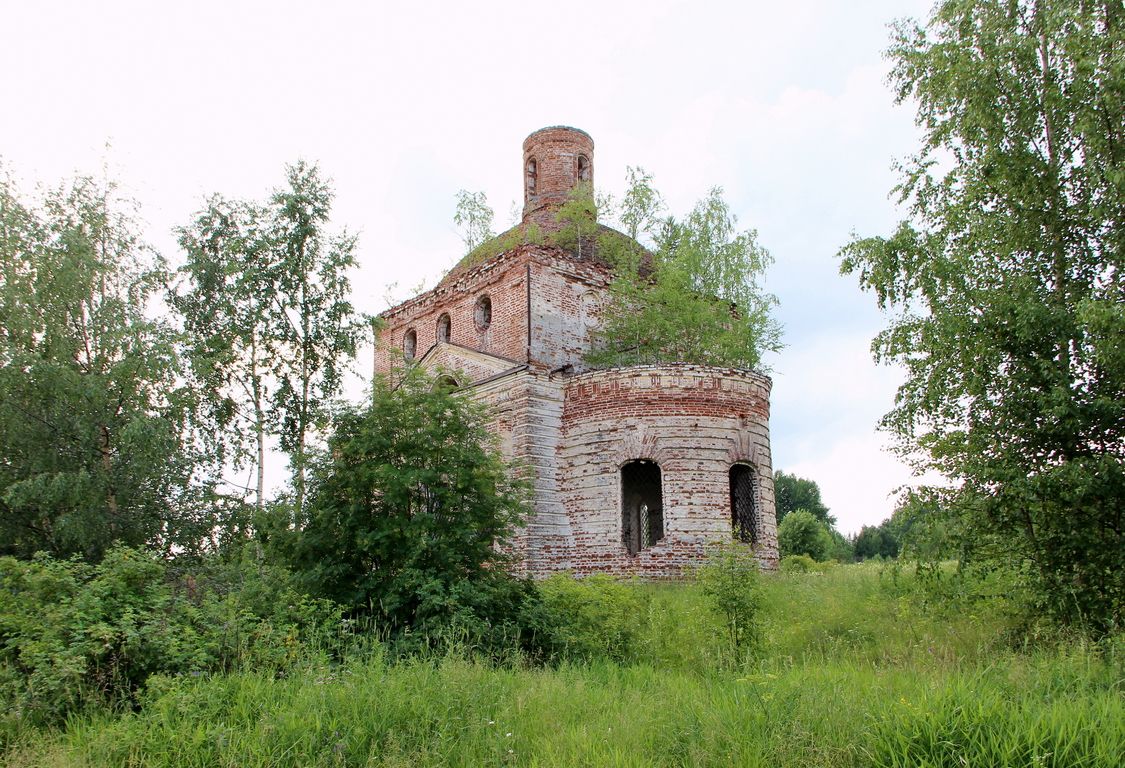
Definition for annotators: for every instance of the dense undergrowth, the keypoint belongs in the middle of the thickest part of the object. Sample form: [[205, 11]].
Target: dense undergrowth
[[856, 665]]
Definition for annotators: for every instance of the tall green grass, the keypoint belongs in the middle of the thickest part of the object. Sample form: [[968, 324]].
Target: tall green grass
[[851, 672]]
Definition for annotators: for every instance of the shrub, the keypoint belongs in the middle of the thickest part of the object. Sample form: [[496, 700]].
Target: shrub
[[592, 618], [798, 564], [730, 582], [73, 634], [800, 533], [406, 513]]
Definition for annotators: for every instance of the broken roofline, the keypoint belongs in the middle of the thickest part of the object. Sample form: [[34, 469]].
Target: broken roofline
[[528, 251]]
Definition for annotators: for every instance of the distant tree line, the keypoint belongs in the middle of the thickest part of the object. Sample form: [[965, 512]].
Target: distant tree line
[[805, 527]]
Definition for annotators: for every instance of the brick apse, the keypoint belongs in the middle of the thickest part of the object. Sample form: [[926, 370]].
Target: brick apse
[[635, 469]]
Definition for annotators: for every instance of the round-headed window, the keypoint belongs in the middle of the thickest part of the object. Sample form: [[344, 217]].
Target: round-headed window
[[743, 504], [583, 168], [642, 505], [443, 328], [532, 176], [590, 308], [482, 313], [409, 344]]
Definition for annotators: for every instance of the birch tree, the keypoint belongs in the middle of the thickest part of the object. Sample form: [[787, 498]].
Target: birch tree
[[1005, 286]]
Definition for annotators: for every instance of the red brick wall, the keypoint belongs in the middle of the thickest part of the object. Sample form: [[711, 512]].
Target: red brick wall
[[565, 296], [556, 151], [503, 279]]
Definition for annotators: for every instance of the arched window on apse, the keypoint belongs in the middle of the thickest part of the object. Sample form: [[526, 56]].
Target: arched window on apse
[[482, 312], [743, 508], [642, 505]]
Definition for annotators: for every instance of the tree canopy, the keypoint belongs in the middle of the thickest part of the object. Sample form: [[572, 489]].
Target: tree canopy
[[1006, 285], [270, 324], [792, 493], [410, 516], [95, 419], [802, 533], [474, 216], [876, 541], [695, 297]]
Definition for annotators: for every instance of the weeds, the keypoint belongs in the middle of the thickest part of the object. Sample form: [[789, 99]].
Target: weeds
[[851, 670]]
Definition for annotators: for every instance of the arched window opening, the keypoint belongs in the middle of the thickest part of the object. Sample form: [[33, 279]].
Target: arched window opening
[[443, 328], [743, 510], [532, 176], [590, 308], [482, 313], [583, 168], [409, 344], [642, 505], [446, 383]]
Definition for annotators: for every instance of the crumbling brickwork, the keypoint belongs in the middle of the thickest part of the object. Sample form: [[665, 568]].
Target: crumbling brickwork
[[635, 469], [695, 423], [554, 160]]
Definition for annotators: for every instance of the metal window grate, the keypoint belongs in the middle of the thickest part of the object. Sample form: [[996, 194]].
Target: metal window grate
[[743, 508]]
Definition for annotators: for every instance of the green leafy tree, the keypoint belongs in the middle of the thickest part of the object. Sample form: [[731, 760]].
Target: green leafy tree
[[230, 315], [876, 541], [271, 328], [408, 518], [641, 206], [578, 219], [321, 330], [1007, 285], [841, 549], [802, 533], [474, 216], [95, 439], [695, 298], [792, 493], [925, 529]]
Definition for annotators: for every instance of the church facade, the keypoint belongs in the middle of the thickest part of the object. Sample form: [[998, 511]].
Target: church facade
[[635, 470]]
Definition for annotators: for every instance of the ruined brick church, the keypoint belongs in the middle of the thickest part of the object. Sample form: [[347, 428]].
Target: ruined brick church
[[634, 469]]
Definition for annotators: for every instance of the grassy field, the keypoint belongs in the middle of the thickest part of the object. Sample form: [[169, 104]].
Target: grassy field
[[856, 667]]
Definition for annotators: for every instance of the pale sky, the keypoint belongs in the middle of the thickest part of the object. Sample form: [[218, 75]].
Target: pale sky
[[785, 106]]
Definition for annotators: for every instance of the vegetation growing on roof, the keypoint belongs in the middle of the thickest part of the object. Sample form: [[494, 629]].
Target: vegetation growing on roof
[[694, 297], [521, 234]]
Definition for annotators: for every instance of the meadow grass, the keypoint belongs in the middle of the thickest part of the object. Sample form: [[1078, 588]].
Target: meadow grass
[[850, 672]]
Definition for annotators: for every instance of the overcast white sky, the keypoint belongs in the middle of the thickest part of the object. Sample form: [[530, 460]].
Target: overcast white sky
[[784, 105]]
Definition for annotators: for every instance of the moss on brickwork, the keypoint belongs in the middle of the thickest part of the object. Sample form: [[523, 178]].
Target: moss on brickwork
[[521, 234], [606, 248]]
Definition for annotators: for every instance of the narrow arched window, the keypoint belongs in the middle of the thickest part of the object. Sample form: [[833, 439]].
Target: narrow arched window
[[443, 328], [743, 506], [409, 344], [482, 312], [532, 176], [583, 168], [642, 505]]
